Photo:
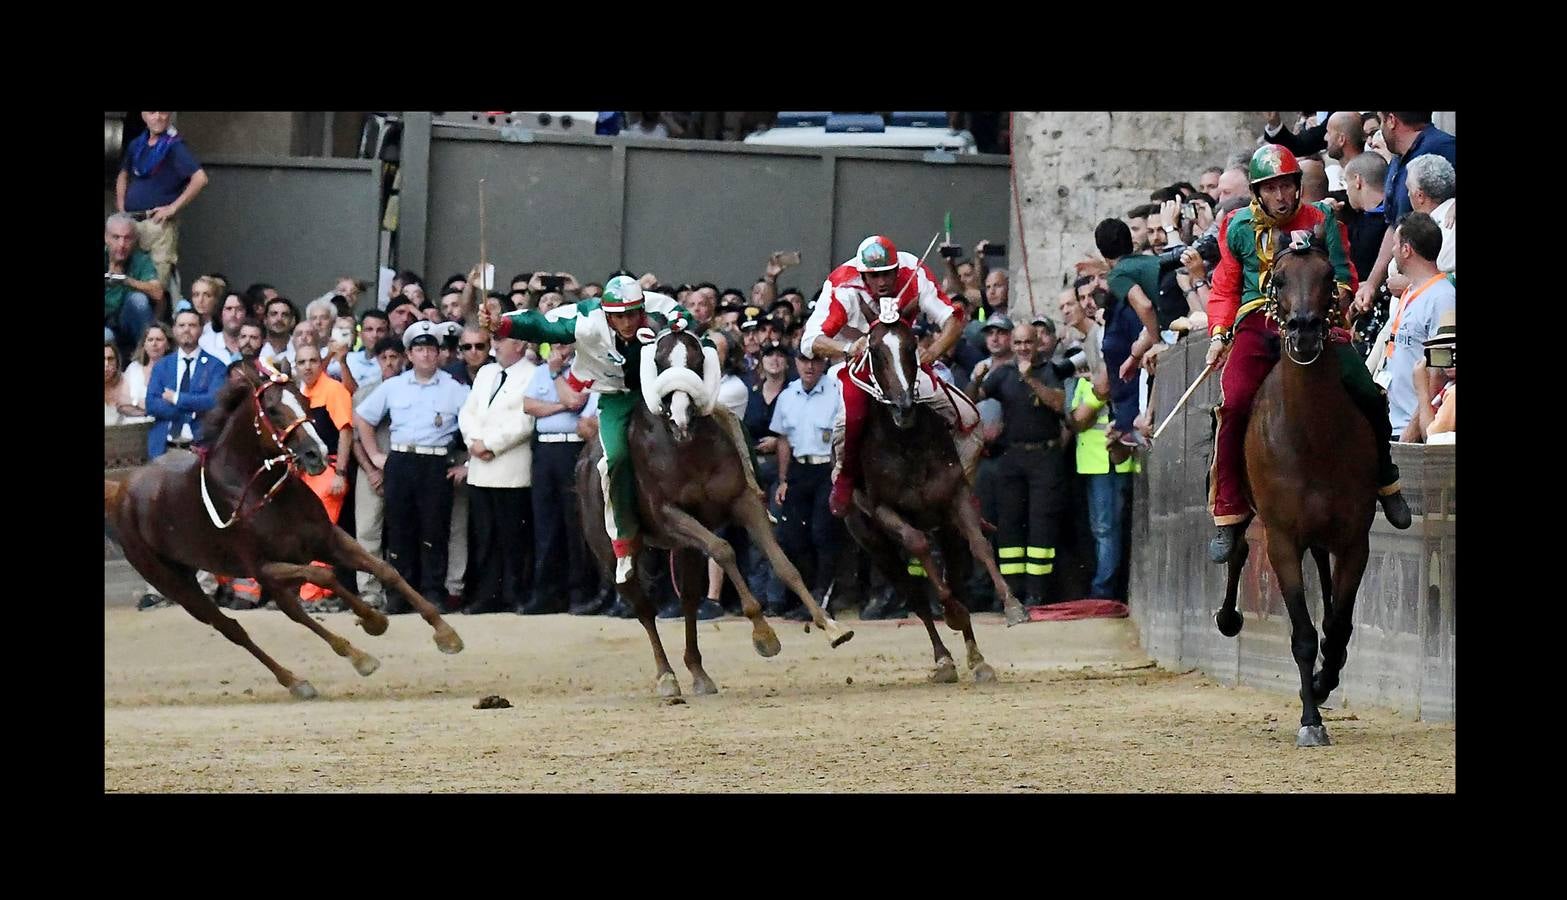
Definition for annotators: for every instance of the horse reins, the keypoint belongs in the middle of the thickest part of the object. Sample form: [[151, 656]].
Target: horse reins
[[285, 458], [1271, 310]]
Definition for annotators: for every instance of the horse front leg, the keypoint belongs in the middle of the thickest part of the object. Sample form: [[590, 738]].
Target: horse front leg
[[752, 516], [348, 552], [684, 529], [917, 545], [1286, 559], [1338, 627], [969, 526]]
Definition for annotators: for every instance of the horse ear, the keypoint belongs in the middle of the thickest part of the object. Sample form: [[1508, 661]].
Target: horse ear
[[244, 370], [868, 310]]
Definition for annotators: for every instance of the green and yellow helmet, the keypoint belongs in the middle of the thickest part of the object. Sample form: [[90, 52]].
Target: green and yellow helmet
[[621, 294], [1272, 161]]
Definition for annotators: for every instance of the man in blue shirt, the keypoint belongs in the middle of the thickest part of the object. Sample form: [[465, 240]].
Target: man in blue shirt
[[158, 178], [557, 526], [1408, 135], [423, 404], [803, 417]]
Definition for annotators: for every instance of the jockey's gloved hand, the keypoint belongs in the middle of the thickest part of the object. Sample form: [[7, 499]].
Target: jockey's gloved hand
[[646, 335]]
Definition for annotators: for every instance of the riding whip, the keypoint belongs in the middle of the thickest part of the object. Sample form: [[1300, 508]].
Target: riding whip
[[1207, 370]]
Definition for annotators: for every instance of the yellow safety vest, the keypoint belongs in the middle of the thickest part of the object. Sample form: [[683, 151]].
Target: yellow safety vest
[[1093, 454]]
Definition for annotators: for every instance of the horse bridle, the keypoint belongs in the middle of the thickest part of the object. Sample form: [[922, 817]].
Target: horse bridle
[[284, 458], [1272, 310]]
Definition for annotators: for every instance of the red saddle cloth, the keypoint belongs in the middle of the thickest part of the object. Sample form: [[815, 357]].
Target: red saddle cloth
[[1079, 609]]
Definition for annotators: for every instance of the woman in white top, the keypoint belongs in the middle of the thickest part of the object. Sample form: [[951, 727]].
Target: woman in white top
[[154, 346], [732, 390], [116, 396]]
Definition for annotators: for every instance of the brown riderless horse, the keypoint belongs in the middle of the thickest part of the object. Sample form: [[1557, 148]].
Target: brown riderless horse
[[236, 509]]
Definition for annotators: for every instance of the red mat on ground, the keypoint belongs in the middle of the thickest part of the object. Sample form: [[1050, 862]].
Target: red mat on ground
[[1079, 609]]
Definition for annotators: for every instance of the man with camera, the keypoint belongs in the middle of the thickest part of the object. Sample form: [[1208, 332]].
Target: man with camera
[[1247, 344], [132, 290], [1031, 470], [1438, 421]]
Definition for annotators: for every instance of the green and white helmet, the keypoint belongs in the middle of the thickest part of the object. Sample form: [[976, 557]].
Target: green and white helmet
[[622, 294]]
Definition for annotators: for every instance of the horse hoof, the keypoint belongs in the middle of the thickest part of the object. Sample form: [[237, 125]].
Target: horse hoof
[[766, 645], [447, 640], [365, 664], [945, 673], [984, 674], [375, 626], [701, 684], [1229, 621], [1016, 614], [668, 686], [1312, 736], [302, 690], [838, 635]]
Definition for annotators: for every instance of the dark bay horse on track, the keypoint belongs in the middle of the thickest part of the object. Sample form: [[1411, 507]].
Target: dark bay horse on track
[[1311, 470], [237, 509], [914, 486], [691, 479]]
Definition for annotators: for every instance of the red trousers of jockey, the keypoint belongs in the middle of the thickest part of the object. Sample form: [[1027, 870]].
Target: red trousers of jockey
[[878, 271]]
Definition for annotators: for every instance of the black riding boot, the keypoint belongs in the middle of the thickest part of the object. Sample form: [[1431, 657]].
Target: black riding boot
[[1374, 408]]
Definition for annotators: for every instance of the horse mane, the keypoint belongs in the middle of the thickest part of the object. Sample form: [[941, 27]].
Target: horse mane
[[233, 393]]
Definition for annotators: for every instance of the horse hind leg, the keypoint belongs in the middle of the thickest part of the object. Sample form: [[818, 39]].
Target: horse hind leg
[[667, 684], [979, 547], [690, 571], [917, 545], [280, 584], [178, 583], [946, 671], [348, 552], [1228, 618]]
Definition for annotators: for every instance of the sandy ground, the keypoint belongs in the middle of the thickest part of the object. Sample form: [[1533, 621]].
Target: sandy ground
[[1077, 708]]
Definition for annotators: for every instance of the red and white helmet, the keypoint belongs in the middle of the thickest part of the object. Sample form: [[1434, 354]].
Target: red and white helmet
[[876, 254]]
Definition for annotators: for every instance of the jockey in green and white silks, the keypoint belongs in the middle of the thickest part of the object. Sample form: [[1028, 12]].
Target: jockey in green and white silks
[[611, 333]]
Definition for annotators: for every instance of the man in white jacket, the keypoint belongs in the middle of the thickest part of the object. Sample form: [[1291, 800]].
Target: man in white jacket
[[500, 463]]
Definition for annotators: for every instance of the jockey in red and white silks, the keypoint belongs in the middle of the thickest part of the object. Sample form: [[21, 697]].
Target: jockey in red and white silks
[[879, 271]]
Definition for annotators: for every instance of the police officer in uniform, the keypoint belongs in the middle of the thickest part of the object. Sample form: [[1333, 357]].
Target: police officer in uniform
[[803, 416], [1031, 470], [423, 403], [560, 554]]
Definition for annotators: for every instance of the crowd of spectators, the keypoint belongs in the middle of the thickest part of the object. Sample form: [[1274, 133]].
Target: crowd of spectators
[[455, 450]]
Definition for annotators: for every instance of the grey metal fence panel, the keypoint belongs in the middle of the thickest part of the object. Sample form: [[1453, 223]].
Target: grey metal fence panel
[[1402, 653], [907, 199], [295, 223], [546, 206], [709, 216], [685, 210]]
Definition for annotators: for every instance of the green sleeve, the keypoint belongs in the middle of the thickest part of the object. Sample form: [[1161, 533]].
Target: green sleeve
[[532, 325], [1334, 233], [141, 267]]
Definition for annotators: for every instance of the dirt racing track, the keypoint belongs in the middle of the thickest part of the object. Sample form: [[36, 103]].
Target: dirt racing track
[[1077, 708]]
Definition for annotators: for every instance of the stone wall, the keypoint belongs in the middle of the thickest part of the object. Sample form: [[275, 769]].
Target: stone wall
[[1075, 168]]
